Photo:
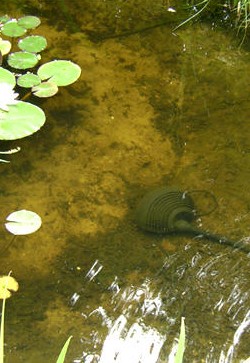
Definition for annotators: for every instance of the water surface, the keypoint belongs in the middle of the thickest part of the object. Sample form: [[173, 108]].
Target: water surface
[[151, 108]]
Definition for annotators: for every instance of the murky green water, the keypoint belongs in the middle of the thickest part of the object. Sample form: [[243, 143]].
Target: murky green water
[[151, 108]]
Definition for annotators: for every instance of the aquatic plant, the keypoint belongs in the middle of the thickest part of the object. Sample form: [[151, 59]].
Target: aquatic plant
[[235, 12], [7, 285], [62, 355], [242, 10], [181, 343], [23, 222], [18, 69], [19, 118], [11, 151], [20, 223]]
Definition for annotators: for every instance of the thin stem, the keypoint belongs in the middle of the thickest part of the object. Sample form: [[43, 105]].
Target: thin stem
[[192, 17], [26, 96], [7, 247], [2, 325]]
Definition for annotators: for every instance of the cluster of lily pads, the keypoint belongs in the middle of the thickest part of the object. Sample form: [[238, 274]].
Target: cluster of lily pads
[[19, 67], [18, 118]]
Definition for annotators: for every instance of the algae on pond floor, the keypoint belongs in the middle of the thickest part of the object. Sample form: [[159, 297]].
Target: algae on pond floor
[[149, 109]]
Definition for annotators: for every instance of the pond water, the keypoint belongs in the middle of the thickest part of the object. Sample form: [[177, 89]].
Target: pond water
[[151, 108]]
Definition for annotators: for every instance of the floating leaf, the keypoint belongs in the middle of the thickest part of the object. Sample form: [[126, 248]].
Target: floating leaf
[[45, 89], [29, 22], [28, 80], [12, 29], [33, 43], [61, 72], [23, 222], [4, 19], [7, 285], [5, 46], [7, 77], [22, 119], [23, 60]]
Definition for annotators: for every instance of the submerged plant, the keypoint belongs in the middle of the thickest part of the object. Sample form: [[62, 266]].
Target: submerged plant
[[19, 118], [20, 223], [234, 12], [18, 68], [197, 8], [242, 10]]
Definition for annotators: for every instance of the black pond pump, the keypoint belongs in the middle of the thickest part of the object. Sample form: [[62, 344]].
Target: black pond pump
[[166, 210]]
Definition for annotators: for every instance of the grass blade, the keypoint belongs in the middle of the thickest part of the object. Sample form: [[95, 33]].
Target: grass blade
[[62, 355], [181, 343]]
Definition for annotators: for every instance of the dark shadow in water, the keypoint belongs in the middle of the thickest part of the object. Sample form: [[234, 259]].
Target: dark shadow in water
[[149, 109]]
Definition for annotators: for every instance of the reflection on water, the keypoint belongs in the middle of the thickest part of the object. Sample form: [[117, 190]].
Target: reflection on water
[[141, 322], [150, 109], [137, 343], [243, 327], [134, 342]]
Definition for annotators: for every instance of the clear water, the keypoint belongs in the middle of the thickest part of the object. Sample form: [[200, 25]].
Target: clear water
[[151, 108]]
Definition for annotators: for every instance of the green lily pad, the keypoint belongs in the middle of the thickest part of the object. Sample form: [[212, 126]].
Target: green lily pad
[[12, 29], [23, 222], [45, 89], [33, 43], [23, 60], [29, 22], [22, 119], [7, 77], [28, 80], [5, 46], [61, 72], [4, 19]]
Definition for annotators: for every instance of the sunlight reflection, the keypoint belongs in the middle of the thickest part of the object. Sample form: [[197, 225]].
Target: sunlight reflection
[[137, 323], [129, 338], [136, 344], [94, 271], [236, 339]]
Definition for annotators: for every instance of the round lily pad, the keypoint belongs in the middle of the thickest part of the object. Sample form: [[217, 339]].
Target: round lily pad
[[23, 222], [5, 46], [22, 119], [7, 77], [23, 60], [28, 80], [61, 72], [4, 19], [45, 89], [29, 22], [12, 29], [33, 43]]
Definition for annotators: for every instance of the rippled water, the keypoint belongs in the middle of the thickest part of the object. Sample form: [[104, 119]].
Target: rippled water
[[151, 108]]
